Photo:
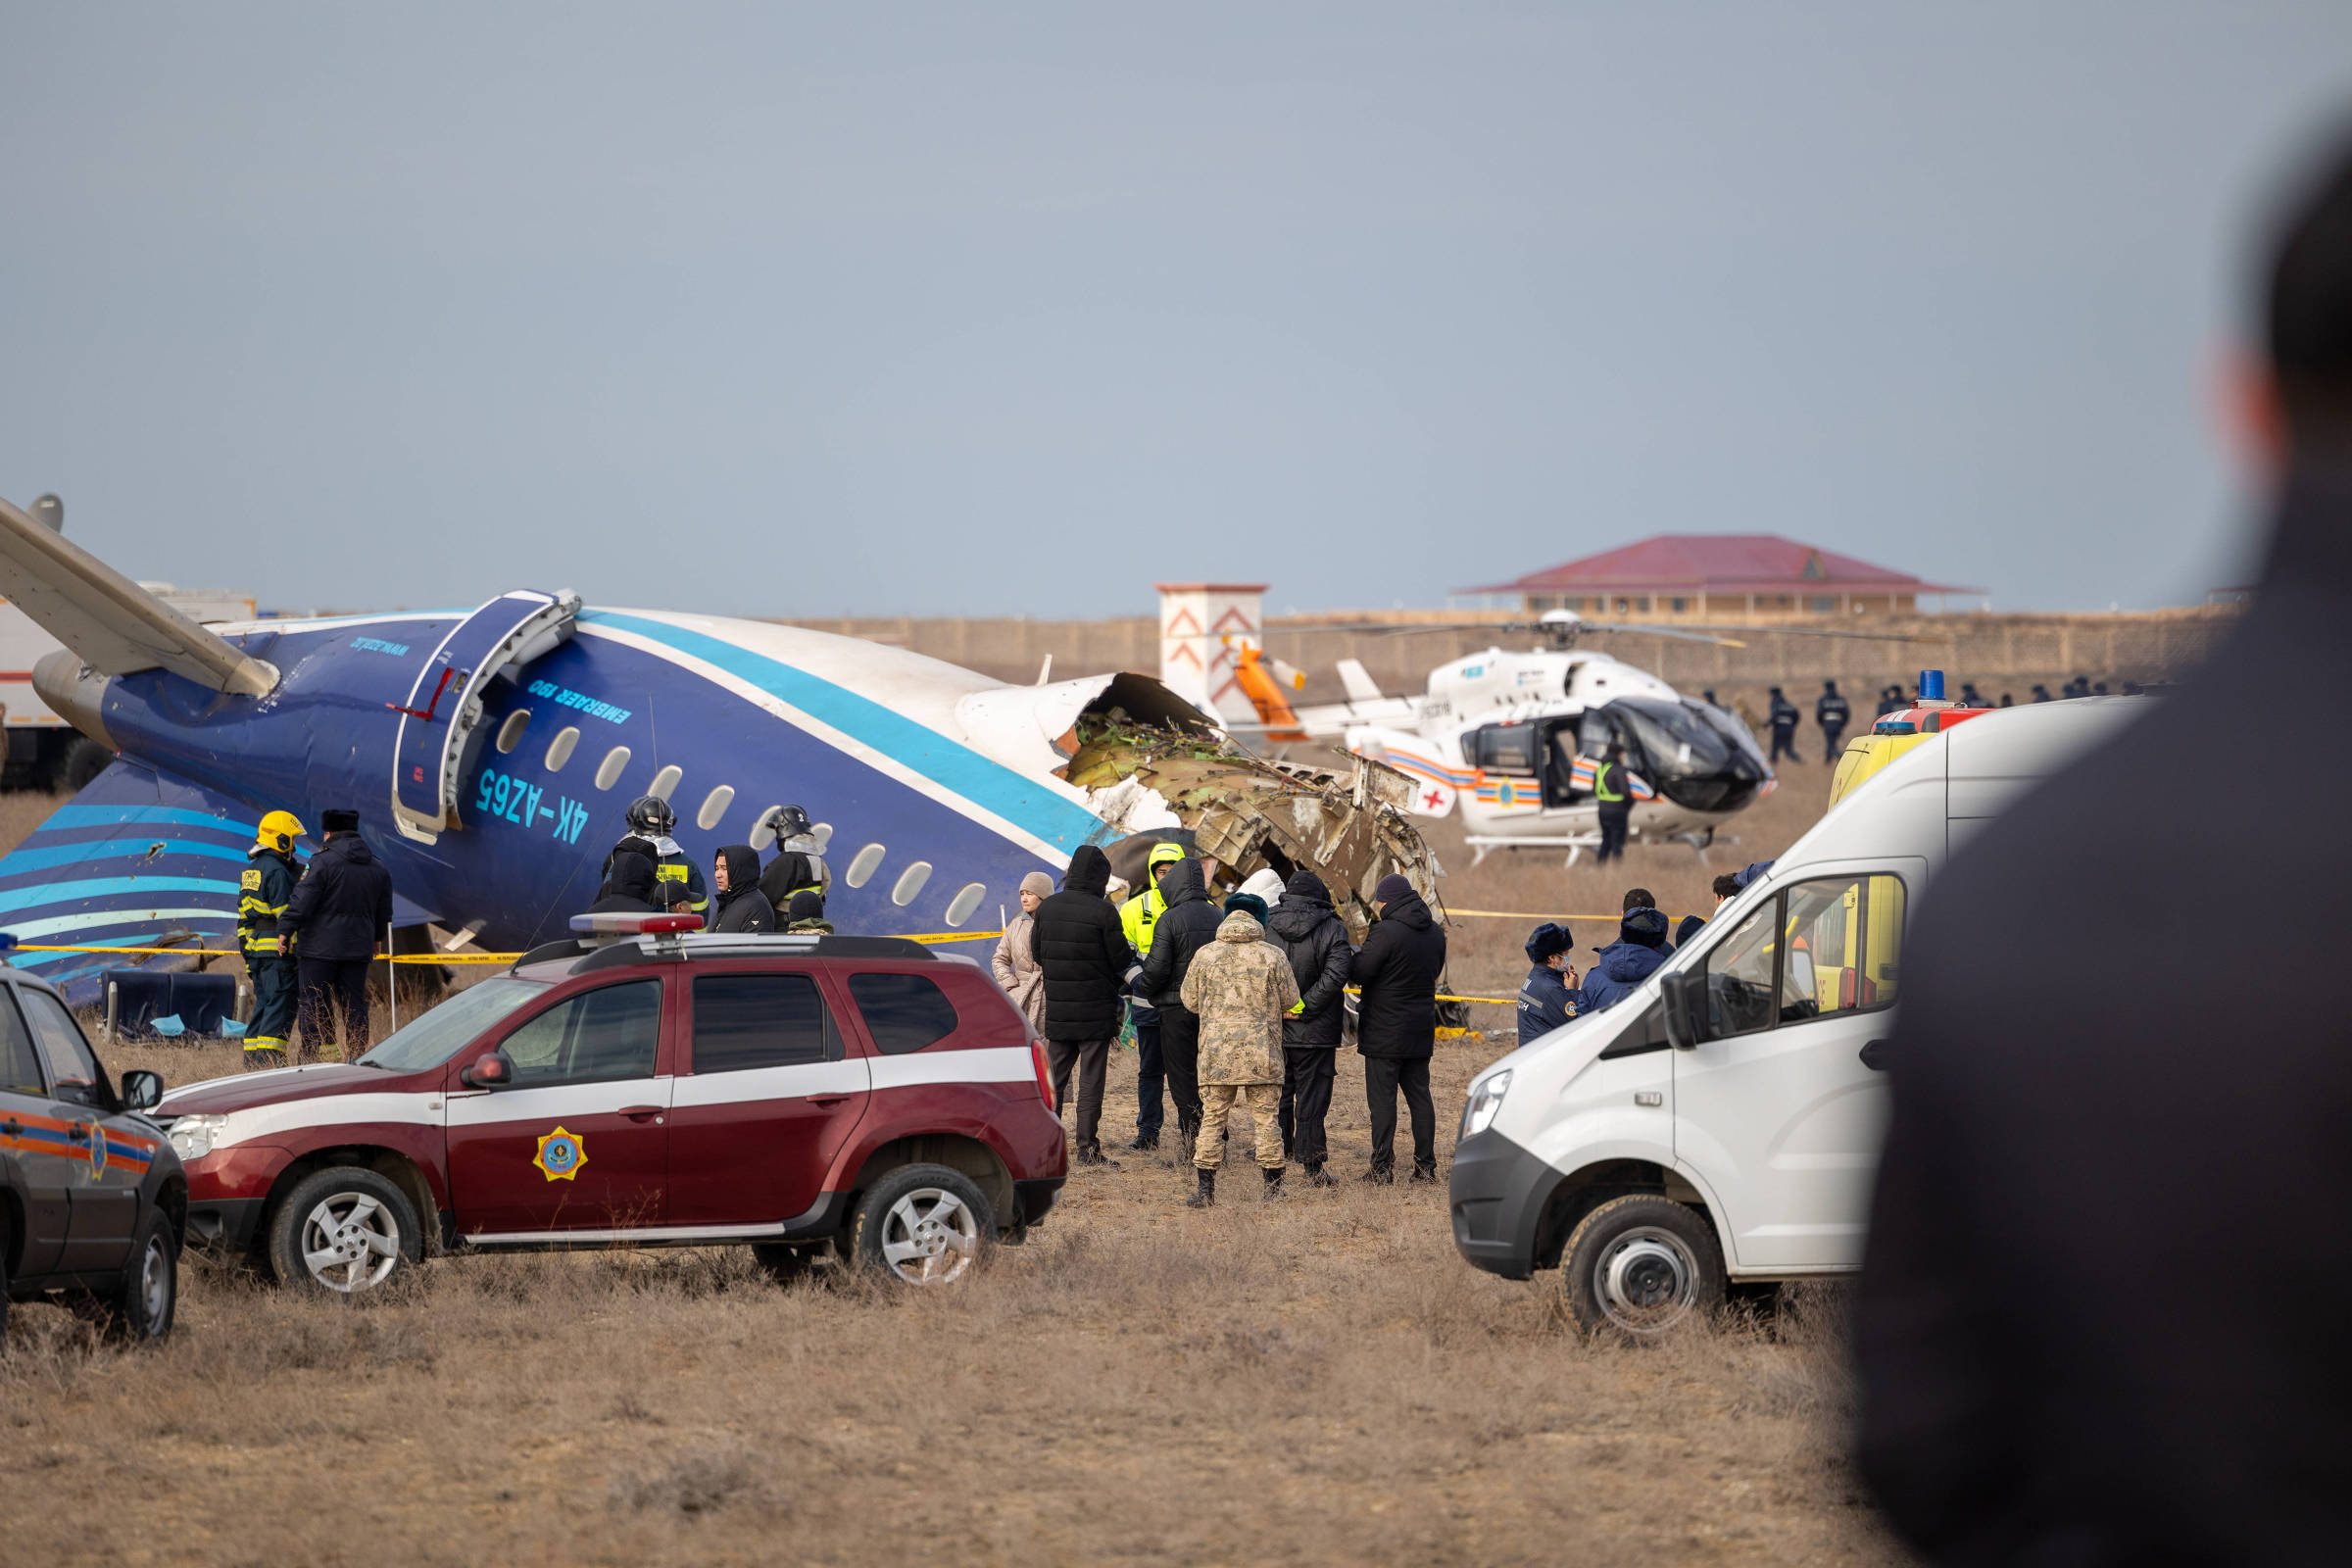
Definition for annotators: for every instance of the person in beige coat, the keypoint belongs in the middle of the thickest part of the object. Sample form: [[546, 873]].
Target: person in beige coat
[[1016, 960], [1240, 986]]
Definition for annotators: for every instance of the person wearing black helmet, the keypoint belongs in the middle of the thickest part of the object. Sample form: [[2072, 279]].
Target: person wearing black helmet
[[798, 867], [651, 819]]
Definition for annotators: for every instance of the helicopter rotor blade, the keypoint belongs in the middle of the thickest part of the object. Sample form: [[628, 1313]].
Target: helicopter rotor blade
[[1675, 632]]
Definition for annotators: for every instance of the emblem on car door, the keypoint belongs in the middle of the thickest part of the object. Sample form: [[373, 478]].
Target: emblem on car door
[[561, 1154]]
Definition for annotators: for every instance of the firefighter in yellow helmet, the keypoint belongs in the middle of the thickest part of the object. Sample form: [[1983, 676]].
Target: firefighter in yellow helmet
[[267, 886]]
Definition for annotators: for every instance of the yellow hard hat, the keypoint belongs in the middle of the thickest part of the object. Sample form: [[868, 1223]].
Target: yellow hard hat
[[278, 831]]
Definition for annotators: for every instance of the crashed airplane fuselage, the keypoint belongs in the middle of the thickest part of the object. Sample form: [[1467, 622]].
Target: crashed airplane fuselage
[[491, 755]]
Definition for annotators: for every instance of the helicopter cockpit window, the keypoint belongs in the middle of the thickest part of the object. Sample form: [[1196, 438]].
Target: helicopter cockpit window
[[1506, 748]]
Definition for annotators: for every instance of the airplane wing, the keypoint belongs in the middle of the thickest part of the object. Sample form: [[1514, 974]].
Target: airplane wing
[[137, 860], [110, 621]]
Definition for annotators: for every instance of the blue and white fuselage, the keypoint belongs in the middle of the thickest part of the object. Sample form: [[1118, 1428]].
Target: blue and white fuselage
[[935, 786]]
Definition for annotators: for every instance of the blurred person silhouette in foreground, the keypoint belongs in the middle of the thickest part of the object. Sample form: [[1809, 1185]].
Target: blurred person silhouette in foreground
[[2103, 1312]]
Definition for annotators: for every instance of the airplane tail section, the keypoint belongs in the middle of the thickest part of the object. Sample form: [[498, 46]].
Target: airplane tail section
[[1357, 682], [111, 623], [137, 860]]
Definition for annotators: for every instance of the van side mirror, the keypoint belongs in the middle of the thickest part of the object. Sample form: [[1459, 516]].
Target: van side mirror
[[490, 1071], [142, 1089], [1685, 996]]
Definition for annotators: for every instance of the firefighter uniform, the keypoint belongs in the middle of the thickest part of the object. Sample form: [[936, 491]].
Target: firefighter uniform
[[264, 891]]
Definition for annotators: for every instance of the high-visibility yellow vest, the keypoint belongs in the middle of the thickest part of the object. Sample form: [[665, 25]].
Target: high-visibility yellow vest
[[1604, 785]]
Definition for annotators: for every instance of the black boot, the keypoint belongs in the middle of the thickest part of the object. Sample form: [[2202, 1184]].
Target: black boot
[[1144, 1142], [1091, 1154], [1273, 1181], [1381, 1175], [1205, 1194], [1425, 1172], [1317, 1176]]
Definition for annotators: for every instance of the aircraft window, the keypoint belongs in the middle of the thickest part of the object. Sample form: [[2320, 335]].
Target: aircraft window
[[861, 870], [715, 807], [509, 734], [911, 882], [823, 832], [608, 772], [558, 750], [666, 782], [967, 899], [1506, 747], [763, 831]]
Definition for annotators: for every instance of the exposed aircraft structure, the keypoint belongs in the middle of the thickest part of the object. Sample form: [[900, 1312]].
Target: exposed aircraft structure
[[491, 752]]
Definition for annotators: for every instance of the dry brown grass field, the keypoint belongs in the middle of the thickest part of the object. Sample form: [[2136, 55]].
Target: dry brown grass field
[[1319, 1379]]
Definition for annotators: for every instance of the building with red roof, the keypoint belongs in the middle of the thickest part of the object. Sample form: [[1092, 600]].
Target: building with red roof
[[1718, 576]]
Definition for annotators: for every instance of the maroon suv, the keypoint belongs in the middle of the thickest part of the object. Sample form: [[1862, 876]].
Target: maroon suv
[[795, 1094]]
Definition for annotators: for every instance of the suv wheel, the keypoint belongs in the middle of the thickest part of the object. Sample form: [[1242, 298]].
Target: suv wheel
[[345, 1230], [1639, 1265], [6, 1242], [922, 1225], [140, 1312]]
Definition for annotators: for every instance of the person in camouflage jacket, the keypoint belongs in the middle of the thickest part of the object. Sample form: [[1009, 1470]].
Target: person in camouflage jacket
[[1240, 986]]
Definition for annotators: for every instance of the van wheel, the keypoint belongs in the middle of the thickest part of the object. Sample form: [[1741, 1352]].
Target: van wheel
[[1641, 1264], [6, 1242], [344, 1230], [922, 1225]]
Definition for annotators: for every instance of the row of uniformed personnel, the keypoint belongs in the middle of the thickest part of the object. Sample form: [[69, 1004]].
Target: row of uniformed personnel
[[647, 871]]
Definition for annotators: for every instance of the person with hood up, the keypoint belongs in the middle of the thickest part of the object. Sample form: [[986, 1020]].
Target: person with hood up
[[741, 905], [1396, 1023], [1266, 885], [628, 886], [1187, 924], [337, 918], [1639, 948], [1137, 916], [1240, 987], [1316, 945], [1549, 997], [1085, 962], [1015, 963], [806, 914], [651, 819]]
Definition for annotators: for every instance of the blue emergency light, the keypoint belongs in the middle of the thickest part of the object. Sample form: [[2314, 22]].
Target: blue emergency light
[[1931, 685]]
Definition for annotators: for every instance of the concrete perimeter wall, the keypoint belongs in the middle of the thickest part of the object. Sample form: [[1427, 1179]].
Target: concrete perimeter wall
[[2000, 653]]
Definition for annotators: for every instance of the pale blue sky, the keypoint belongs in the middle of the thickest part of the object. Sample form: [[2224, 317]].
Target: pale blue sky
[[936, 309]]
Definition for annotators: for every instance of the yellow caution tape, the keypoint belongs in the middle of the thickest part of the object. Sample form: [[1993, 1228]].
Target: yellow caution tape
[[1517, 914]]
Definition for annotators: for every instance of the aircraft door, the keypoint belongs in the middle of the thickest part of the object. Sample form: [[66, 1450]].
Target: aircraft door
[[429, 750], [1779, 1110]]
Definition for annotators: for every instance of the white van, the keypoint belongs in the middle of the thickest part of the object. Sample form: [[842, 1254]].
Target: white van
[[1721, 1124]]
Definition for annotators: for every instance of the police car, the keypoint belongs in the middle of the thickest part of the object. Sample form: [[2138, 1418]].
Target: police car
[[870, 1098], [91, 1197]]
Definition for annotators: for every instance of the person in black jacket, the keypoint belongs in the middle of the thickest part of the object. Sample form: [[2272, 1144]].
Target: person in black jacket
[[739, 905], [630, 884], [1085, 960], [1832, 713], [339, 915], [2101, 1315], [1316, 943], [1396, 1023], [1185, 925]]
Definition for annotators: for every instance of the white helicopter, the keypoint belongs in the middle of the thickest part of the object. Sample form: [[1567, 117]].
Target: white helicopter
[[1514, 738]]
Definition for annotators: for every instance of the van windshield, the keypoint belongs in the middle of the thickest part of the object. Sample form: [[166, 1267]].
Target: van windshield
[[436, 1036]]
